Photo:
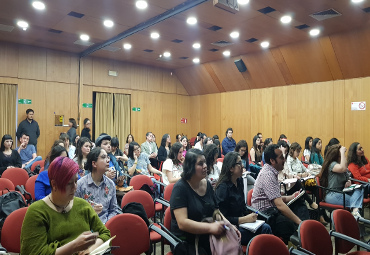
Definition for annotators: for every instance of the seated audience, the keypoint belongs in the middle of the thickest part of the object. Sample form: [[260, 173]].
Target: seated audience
[[86, 130], [138, 162], [72, 131], [27, 152], [267, 198], [197, 139], [211, 154], [267, 142], [164, 149], [61, 223], [228, 143], [207, 141], [178, 138], [129, 139], [200, 144], [184, 142], [84, 146], [218, 144], [333, 176], [358, 164], [215, 137], [256, 151], [242, 149], [294, 164], [96, 188], [316, 157], [42, 184], [332, 141], [283, 137], [150, 148], [65, 138], [230, 197], [307, 148], [116, 151], [172, 167], [193, 199], [8, 158]]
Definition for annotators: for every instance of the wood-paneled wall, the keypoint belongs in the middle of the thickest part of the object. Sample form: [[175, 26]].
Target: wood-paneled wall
[[334, 57], [50, 79]]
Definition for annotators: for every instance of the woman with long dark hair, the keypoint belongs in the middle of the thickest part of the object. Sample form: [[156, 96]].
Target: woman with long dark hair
[[72, 130], [230, 197], [333, 175], [83, 149], [307, 148], [211, 155], [256, 150], [316, 157], [164, 149], [86, 131], [358, 164], [139, 161], [172, 167], [9, 158], [129, 139], [332, 141], [242, 149]]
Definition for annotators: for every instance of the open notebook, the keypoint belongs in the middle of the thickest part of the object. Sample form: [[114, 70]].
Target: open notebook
[[252, 226], [102, 248]]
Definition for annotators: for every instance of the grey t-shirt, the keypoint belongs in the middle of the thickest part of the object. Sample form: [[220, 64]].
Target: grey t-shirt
[[336, 181]]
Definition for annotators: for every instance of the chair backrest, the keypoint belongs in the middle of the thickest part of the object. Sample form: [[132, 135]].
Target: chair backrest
[[30, 186], [141, 197], [167, 221], [345, 223], [139, 180], [220, 160], [39, 162], [192, 140], [132, 234], [6, 184], [168, 191], [249, 197], [319, 191], [11, 231], [267, 244], [17, 176], [42, 169], [315, 238]]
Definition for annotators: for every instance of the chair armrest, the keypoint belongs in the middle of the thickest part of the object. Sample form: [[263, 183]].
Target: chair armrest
[[159, 183], [261, 215], [363, 220], [359, 181], [304, 250], [162, 201], [171, 238], [350, 239], [331, 190], [299, 252]]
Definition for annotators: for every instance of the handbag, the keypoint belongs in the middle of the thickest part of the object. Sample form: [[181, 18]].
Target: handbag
[[228, 243]]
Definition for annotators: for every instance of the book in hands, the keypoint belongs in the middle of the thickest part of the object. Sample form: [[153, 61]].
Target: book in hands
[[352, 187], [103, 248], [296, 197], [252, 226]]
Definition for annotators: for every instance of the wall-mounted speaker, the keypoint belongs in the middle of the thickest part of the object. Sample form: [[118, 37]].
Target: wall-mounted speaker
[[240, 65]]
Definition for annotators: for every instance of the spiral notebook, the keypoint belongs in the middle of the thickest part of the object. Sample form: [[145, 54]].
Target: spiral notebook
[[295, 198], [252, 226]]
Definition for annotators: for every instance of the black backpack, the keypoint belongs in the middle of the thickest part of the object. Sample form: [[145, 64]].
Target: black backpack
[[136, 208], [10, 202]]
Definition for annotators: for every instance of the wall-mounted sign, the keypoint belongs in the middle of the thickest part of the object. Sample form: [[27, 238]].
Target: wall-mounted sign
[[85, 105], [358, 106], [136, 109], [24, 101], [184, 120]]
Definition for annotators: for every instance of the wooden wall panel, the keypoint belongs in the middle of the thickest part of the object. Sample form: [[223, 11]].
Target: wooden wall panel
[[210, 118], [339, 107], [57, 67], [170, 83], [87, 70], [8, 60], [195, 115], [100, 72], [184, 111], [32, 63], [331, 58], [155, 79], [168, 116], [139, 77]]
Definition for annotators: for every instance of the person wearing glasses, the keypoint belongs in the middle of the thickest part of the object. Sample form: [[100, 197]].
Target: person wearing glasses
[[230, 197], [138, 162], [96, 188]]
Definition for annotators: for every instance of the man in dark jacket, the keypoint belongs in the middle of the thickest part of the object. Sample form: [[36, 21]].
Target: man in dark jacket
[[30, 127]]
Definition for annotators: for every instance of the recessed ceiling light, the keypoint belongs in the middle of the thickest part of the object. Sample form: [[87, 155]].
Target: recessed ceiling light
[[226, 53], [265, 44], [314, 32], [196, 45], [196, 60], [127, 46], [108, 23], [192, 21], [22, 24], [234, 34], [243, 2], [38, 5], [357, 1], [141, 4], [286, 19], [167, 54], [84, 37], [154, 35]]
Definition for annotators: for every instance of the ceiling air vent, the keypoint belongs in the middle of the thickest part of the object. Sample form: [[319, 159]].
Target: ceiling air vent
[[183, 57], [6, 28], [111, 48], [252, 40], [323, 15], [222, 43], [214, 28], [83, 43]]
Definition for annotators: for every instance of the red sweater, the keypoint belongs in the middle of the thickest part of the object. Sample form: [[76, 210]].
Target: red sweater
[[360, 173]]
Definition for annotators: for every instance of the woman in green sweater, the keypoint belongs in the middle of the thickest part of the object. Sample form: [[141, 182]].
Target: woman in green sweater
[[61, 223]]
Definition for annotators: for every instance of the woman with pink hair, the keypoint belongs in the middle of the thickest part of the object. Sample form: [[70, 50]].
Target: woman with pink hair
[[61, 223]]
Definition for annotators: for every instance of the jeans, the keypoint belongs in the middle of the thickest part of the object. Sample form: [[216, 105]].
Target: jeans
[[353, 199], [28, 166], [248, 235]]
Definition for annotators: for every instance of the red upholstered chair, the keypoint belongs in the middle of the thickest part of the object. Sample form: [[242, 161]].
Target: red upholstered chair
[[266, 244], [42, 169], [220, 160], [315, 238], [192, 140], [17, 176], [6, 184], [132, 235], [249, 197], [40, 162], [346, 224], [11, 231], [30, 186], [139, 180], [168, 191]]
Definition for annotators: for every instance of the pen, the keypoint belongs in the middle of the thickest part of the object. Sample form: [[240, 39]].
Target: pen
[[226, 227], [256, 212]]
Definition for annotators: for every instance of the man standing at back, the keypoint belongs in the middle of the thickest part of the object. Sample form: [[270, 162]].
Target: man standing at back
[[228, 144], [30, 127], [150, 148]]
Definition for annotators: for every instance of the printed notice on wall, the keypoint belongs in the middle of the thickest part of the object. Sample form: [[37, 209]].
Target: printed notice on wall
[[358, 106]]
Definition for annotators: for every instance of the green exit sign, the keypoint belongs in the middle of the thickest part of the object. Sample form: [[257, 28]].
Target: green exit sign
[[24, 101], [85, 105], [136, 109]]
